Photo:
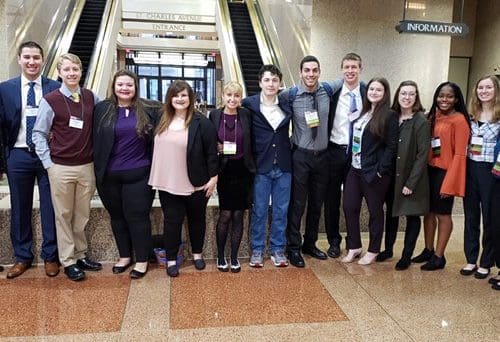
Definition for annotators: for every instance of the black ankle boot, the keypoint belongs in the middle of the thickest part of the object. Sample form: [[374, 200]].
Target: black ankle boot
[[435, 263], [424, 256]]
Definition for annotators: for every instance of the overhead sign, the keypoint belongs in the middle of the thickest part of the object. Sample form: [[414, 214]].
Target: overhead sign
[[168, 27], [154, 16], [431, 27]]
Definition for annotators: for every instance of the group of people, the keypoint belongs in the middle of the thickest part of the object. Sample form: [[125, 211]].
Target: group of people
[[347, 137]]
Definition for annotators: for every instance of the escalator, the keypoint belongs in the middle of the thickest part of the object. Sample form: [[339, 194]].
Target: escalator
[[86, 32], [246, 44]]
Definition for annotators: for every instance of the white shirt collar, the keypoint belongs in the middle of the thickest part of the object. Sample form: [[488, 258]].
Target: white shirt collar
[[25, 81], [262, 99], [346, 90]]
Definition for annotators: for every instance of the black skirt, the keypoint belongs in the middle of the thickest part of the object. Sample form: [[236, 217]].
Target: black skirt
[[234, 186], [438, 205]]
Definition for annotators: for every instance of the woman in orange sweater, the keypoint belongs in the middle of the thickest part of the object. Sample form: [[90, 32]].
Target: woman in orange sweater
[[450, 129]]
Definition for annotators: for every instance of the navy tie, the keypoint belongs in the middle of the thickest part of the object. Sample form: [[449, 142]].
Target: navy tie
[[30, 120]]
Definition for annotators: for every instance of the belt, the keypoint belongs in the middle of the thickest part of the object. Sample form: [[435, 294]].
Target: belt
[[27, 149], [305, 150], [334, 145]]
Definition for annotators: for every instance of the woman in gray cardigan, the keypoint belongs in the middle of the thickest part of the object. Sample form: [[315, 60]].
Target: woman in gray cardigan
[[411, 183]]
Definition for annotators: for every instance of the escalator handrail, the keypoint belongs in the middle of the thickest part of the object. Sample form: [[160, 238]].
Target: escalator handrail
[[64, 38], [226, 37], [101, 46]]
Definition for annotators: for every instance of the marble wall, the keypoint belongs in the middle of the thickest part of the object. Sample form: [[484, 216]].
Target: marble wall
[[368, 28], [486, 57], [3, 41]]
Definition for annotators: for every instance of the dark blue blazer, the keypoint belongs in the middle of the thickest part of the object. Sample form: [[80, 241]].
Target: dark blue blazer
[[270, 147], [10, 107]]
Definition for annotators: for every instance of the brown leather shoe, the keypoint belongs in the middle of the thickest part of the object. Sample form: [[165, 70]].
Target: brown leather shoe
[[18, 269], [51, 268]]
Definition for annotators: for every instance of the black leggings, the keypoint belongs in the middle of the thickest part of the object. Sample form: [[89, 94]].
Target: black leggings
[[127, 197]]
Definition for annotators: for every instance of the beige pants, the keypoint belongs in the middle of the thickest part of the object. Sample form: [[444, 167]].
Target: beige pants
[[71, 188]]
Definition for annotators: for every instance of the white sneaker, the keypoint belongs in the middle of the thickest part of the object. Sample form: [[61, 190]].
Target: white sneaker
[[279, 259]]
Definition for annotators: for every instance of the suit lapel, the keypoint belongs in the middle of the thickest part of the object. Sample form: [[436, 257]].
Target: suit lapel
[[16, 92], [193, 127]]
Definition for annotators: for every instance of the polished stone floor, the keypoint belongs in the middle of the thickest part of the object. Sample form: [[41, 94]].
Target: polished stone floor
[[326, 301]]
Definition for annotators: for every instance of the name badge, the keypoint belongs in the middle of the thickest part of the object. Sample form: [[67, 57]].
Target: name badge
[[476, 145], [353, 116], [356, 140], [312, 119], [229, 148], [75, 122], [31, 111], [436, 147]]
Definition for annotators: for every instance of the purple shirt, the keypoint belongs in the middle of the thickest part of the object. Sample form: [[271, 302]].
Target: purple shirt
[[229, 131], [129, 150]]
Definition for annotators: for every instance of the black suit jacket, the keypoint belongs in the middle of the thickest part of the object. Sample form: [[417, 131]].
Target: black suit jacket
[[378, 153], [245, 118], [335, 100], [3, 167], [104, 134], [202, 157]]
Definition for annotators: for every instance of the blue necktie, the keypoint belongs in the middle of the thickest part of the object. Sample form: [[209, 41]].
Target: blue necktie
[[30, 120], [352, 105]]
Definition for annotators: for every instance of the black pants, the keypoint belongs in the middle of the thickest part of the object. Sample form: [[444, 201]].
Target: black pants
[[356, 187], [127, 197], [495, 220], [175, 208], [310, 177], [391, 223], [411, 236], [338, 165]]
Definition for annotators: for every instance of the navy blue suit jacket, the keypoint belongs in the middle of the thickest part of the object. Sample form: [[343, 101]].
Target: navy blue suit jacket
[[10, 108], [270, 146]]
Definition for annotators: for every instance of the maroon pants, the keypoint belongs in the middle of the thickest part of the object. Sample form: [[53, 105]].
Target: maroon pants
[[356, 187]]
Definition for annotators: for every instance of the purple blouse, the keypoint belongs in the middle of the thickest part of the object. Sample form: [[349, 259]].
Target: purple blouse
[[129, 150], [230, 129]]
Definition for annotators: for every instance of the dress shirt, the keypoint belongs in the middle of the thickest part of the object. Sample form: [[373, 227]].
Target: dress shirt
[[272, 112], [25, 86], [302, 135], [340, 130]]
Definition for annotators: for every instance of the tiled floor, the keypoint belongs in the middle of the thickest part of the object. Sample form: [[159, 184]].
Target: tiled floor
[[326, 301]]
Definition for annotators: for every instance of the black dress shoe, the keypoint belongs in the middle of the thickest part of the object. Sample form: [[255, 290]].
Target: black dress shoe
[[496, 286], [494, 280], [402, 264], [333, 251], [315, 252], [135, 274], [426, 255], [468, 272], [480, 275], [172, 271], [199, 264], [88, 265], [74, 273], [120, 269], [383, 256], [1, 268], [296, 259], [435, 263]]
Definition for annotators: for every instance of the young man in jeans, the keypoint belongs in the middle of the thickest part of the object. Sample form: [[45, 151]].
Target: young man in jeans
[[272, 152]]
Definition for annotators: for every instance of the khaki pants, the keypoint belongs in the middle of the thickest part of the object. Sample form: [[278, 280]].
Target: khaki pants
[[71, 188]]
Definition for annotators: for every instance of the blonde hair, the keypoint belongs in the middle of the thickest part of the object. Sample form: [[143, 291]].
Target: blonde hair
[[234, 87], [70, 57], [475, 106]]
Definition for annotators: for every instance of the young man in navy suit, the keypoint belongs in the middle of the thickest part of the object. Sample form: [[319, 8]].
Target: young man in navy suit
[[19, 98], [272, 153]]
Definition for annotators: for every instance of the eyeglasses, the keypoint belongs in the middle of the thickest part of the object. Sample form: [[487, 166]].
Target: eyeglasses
[[405, 94]]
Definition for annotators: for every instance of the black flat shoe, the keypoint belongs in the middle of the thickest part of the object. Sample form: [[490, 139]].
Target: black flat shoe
[[173, 271], [135, 274], [467, 272], [120, 269], [435, 263], [199, 264], [480, 275], [383, 256], [494, 280], [402, 264], [426, 255], [496, 286]]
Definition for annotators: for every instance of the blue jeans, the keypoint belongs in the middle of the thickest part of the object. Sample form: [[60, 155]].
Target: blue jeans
[[276, 184]]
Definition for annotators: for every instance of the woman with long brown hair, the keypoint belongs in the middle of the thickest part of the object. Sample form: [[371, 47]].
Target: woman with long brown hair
[[373, 147], [184, 170], [123, 145]]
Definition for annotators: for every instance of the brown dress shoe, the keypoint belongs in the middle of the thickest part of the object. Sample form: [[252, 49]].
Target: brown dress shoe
[[51, 268], [18, 269]]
